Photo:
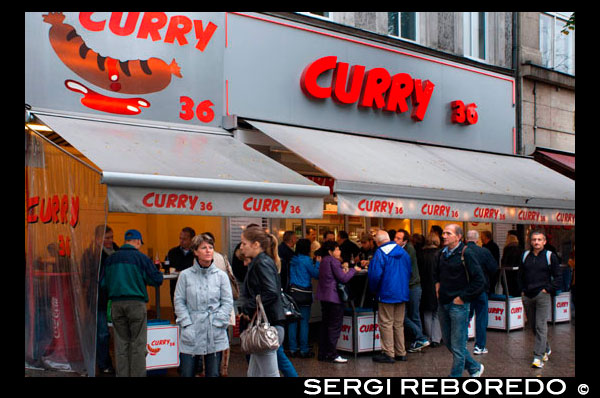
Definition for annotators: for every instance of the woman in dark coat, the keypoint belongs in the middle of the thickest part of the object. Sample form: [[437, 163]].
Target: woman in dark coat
[[429, 261], [511, 258], [263, 278]]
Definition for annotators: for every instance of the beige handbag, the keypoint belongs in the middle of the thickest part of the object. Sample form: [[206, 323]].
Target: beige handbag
[[260, 336]]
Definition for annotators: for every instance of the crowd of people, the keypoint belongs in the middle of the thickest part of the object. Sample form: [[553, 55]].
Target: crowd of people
[[425, 289]]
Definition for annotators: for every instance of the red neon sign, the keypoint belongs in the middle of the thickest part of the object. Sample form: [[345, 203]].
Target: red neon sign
[[375, 88]]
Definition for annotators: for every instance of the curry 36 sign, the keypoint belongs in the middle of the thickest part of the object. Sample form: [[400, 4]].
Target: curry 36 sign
[[160, 201], [376, 206], [377, 89]]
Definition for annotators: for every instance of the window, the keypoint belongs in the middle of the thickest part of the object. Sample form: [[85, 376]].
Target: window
[[404, 25], [558, 49], [475, 37], [322, 15]]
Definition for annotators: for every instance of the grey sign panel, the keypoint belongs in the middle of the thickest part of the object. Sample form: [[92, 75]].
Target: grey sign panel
[[157, 66], [265, 58]]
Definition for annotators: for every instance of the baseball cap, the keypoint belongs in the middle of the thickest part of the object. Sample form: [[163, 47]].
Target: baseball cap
[[133, 234]]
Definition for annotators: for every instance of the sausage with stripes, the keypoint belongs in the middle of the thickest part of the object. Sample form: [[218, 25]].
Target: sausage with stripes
[[129, 77]]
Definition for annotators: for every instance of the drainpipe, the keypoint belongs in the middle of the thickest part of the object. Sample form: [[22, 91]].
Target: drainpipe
[[534, 114], [516, 54]]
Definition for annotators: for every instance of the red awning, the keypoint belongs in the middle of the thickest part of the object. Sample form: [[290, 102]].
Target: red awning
[[562, 162]]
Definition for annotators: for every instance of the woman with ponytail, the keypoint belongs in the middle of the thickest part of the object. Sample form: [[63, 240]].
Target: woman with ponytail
[[262, 278]]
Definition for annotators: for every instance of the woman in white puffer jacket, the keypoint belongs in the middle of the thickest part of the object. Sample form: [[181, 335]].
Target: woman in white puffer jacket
[[203, 304]]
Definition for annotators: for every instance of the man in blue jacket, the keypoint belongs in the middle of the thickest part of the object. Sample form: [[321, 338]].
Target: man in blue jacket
[[389, 273], [127, 273]]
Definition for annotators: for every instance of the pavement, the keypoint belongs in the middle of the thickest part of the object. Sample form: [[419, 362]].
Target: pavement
[[510, 355]]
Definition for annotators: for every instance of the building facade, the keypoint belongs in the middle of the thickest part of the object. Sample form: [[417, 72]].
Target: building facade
[[529, 45]]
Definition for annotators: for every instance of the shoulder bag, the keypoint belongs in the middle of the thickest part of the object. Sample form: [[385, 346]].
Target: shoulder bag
[[292, 312], [259, 336], [301, 295]]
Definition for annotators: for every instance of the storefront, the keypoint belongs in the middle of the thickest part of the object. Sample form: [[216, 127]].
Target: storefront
[[156, 174], [227, 115]]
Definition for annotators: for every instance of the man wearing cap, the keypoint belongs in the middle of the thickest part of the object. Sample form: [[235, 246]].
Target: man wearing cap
[[127, 273]]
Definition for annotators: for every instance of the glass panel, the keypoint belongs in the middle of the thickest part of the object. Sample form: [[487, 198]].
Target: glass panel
[[563, 56], [546, 40], [467, 34], [64, 235], [393, 23], [408, 25], [481, 28]]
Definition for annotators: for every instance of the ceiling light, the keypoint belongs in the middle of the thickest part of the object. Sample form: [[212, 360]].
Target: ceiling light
[[38, 127]]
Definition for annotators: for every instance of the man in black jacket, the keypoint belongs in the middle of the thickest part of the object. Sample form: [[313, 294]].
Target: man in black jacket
[[479, 306], [539, 278], [286, 252], [181, 257], [457, 283]]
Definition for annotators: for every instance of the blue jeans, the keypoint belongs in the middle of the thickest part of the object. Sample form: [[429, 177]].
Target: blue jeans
[[412, 318], [284, 364], [302, 326], [479, 307], [102, 342], [189, 364], [453, 319]]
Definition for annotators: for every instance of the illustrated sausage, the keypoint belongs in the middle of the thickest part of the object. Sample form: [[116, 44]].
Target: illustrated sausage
[[99, 102], [129, 77]]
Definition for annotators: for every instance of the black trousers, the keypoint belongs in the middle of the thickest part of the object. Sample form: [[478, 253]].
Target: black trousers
[[332, 316]]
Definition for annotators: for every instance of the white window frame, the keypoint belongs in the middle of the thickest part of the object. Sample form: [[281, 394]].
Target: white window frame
[[399, 27], [310, 14], [471, 36], [555, 31]]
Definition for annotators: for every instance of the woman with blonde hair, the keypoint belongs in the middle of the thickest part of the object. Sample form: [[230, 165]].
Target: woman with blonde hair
[[262, 278]]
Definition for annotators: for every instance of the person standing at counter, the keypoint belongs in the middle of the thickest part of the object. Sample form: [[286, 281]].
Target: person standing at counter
[[301, 272], [511, 258], [103, 336], [412, 318], [479, 305], [540, 277], [429, 302], [332, 308], [203, 305], [389, 273], [286, 252], [127, 273], [181, 257], [366, 250], [347, 247], [311, 234], [457, 283]]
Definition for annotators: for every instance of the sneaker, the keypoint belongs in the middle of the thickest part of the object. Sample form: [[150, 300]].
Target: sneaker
[[546, 355], [110, 370], [479, 372], [339, 359], [418, 346], [401, 358], [383, 358], [537, 363], [479, 351]]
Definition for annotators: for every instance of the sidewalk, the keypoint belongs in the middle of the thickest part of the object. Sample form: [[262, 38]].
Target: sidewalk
[[510, 355]]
